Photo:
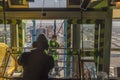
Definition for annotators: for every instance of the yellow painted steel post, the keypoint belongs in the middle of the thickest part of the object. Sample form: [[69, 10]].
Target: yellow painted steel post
[[14, 36], [101, 44], [68, 46], [96, 37], [20, 35], [24, 24], [107, 40], [76, 48]]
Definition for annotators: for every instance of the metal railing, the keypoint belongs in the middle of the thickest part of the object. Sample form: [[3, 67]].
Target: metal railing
[[70, 64]]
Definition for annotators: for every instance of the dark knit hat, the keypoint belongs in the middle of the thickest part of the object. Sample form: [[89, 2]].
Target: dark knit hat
[[42, 42]]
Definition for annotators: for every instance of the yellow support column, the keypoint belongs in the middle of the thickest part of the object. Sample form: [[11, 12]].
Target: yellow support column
[[96, 37], [20, 35], [14, 36], [76, 48], [68, 46], [101, 49]]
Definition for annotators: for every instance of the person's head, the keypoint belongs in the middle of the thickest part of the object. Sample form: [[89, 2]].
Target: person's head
[[54, 37], [42, 42]]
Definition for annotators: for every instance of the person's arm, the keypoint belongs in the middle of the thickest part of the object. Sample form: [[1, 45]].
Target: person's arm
[[20, 59], [23, 59]]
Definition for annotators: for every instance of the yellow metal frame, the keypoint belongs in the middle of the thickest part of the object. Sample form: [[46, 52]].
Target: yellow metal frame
[[25, 5]]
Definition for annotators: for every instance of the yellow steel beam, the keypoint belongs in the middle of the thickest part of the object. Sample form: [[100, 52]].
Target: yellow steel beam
[[54, 15]]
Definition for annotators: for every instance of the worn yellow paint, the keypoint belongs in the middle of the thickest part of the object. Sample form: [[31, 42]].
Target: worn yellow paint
[[24, 5], [4, 56]]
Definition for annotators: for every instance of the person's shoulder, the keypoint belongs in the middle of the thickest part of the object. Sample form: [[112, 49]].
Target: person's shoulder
[[22, 59], [26, 52], [47, 55]]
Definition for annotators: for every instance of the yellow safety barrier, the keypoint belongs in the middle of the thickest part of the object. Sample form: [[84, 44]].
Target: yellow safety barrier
[[7, 61]]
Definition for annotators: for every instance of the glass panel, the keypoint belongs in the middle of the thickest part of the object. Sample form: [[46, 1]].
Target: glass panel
[[90, 68], [88, 36], [48, 4], [116, 34], [115, 48], [4, 33], [43, 26], [114, 63]]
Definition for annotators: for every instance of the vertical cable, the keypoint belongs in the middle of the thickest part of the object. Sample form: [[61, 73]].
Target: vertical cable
[[81, 50], [42, 12], [54, 27]]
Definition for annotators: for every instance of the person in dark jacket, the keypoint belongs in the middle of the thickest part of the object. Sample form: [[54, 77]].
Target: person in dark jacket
[[37, 64]]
